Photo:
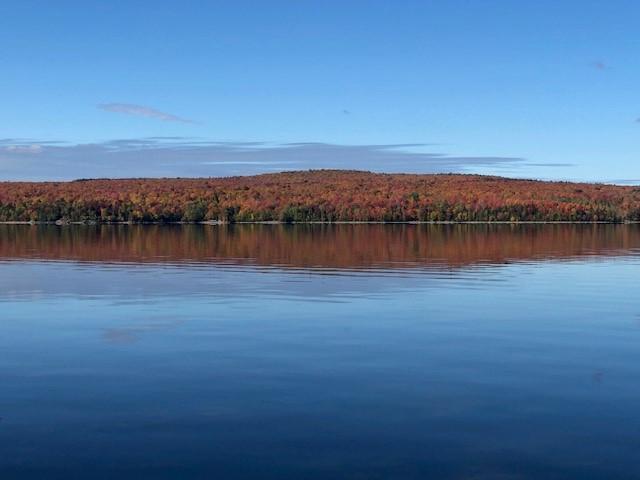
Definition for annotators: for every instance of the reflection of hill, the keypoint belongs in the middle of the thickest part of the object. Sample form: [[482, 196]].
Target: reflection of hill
[[332, 246]]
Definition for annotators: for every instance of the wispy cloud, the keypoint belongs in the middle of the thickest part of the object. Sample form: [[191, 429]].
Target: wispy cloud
[[192, 157], [551, 164], [624, 181], [28, 149], [142, 111]]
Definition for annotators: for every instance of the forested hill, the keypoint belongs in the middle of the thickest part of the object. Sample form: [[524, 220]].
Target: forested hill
[[322, 195]]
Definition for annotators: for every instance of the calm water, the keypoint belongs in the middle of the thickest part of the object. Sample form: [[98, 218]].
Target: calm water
[[345, 352]]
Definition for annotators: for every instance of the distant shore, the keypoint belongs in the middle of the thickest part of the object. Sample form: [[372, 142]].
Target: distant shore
[[275, 222], [318, 196]]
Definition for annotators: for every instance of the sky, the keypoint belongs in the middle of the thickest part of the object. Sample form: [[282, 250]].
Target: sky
[[539, 89]]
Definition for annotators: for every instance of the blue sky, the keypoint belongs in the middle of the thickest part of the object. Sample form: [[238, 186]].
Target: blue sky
[[542, 89]]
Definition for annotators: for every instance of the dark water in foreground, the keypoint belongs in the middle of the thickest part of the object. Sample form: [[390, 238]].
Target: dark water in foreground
[[345, 352]]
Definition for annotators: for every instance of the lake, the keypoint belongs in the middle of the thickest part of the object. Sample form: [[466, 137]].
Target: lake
[[320, 352]]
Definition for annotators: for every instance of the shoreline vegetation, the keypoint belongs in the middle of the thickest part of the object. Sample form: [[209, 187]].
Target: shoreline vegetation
[[277, 222], [318, 196]]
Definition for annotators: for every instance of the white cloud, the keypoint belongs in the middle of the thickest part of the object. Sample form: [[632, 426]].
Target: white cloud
[[29, 149], [189, 157], [142, 111]]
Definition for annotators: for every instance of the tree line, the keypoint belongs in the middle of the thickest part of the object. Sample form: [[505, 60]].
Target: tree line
[[318, 196]]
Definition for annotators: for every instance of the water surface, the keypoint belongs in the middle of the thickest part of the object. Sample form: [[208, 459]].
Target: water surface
[[316, 352]]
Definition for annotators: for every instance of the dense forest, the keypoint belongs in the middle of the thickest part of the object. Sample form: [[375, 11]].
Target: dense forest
[[318, 196]]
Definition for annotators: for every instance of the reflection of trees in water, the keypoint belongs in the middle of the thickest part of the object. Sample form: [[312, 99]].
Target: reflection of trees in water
[[349, 246]]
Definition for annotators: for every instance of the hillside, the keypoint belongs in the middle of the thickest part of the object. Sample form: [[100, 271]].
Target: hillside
[[322, 195]]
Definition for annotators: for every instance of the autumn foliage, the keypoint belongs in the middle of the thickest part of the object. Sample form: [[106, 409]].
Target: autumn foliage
[[321, 195]]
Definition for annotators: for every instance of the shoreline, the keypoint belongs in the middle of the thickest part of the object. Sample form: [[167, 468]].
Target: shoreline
[[320, 197], [275, 222]]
